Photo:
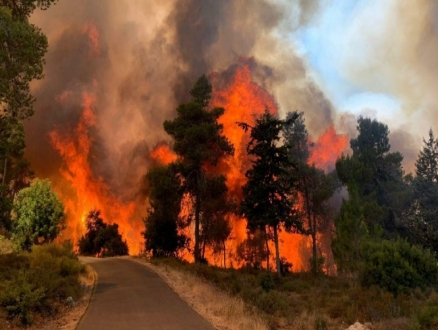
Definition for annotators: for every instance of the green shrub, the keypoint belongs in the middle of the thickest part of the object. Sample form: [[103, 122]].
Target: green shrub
[[272, 302], [20, 298], [397, 267], [266, 281], [37, 282]]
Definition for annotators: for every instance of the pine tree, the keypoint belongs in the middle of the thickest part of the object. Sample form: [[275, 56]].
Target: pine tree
[[267, 201], [426, 165], [199, 141], [312, 184]]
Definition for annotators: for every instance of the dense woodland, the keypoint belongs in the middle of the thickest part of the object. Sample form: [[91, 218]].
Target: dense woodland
[[385, 234]]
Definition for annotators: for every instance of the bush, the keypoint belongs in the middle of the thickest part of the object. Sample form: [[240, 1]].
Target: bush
[[266, 281], [37, 282], [38, 215], [397, 267], [101, 238]]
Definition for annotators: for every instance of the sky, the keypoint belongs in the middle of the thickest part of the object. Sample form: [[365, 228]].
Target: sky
[[365, 34], [326, 44]]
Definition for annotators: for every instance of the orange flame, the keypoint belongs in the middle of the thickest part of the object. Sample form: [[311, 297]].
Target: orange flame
[[163, 154], [328, 148], [94, 39], [88, 192]]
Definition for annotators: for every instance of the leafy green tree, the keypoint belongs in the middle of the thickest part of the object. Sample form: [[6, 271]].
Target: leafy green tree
[[378, 174], [163, 223], [350, 233], [397, 266], [421, 222], [267, 201], [21, 61], [22, 9], [426, 166], [14, 168], [101, 238], [199, 141], [38, 215]]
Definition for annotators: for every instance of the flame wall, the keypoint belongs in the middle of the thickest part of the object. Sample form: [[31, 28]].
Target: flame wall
[[137, 60]]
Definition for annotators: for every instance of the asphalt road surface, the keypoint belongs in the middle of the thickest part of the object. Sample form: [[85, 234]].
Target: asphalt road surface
[[129, 296]]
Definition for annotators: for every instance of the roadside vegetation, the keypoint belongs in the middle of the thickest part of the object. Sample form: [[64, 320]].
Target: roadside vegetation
[[304, 301], [35, 285], [36, 275]]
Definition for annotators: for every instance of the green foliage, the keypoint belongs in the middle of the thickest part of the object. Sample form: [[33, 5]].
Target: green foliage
[[199, 141], [267, 194], [21, 10], [22, 60], [397, 266], [426, 166], [37, 282], [427, 315], [421, 222], [378, 175], [101, 238], [350, 233], [266, 281], [38, 215]]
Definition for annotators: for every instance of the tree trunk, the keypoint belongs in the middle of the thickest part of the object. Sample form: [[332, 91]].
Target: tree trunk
[[4, 170], [225, 264], [267, 250], [314, 260], [277, 251], [197, 215]]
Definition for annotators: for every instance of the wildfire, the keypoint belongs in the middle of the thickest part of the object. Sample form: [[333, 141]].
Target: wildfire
[[89, 192], [163, 154], [243, 101], [93, 39], [328, 148]]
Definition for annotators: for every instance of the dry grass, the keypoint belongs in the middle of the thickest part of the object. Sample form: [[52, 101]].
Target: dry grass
[[221, 310], [6, 245]]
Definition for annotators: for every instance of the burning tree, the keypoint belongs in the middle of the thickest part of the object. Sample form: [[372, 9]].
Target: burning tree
[[268, 195], [199, 142], [312, 184]]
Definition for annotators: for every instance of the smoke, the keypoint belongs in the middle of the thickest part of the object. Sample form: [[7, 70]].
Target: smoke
[[390, 47], [141, 59]]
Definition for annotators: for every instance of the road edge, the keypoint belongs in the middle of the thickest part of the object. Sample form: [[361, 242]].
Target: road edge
[[93, 290]]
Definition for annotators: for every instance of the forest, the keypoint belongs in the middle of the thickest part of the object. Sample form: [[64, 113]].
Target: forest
[[369, 225]]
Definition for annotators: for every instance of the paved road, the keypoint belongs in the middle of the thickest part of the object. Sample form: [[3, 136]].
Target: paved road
[[130, 296]]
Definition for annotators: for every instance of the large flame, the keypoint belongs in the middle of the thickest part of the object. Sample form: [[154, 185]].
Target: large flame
[[89, 192], [243, 101], [328, 148]]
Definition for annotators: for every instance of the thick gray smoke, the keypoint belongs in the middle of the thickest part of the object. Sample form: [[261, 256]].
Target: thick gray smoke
[[139, 59]]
